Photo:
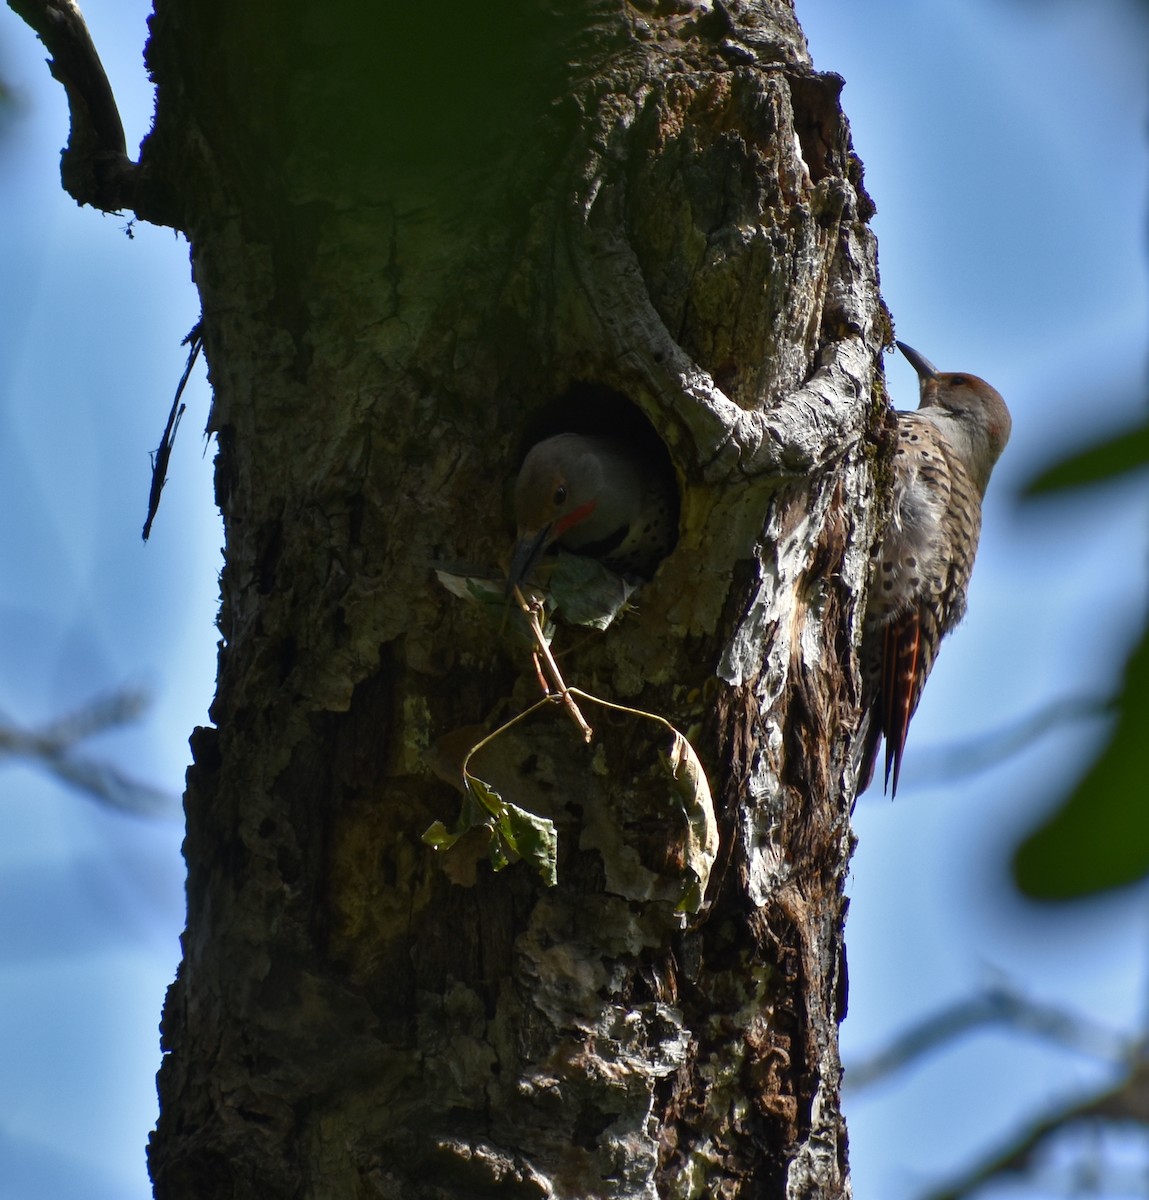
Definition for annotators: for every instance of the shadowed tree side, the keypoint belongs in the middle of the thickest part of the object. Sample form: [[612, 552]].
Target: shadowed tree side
[[424, 237]]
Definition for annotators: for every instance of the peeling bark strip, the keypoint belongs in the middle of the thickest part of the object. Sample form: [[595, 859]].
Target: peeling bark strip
[[415, 229]]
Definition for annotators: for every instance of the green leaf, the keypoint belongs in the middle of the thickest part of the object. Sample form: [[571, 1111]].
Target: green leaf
[[439, 837], [518, 833], [1099, 838], [586, 592], [480, 588], [1128, 451], [514, 832], [488, 799], [532, 838]]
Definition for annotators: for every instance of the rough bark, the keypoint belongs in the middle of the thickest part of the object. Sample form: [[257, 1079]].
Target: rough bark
[[423, 237]]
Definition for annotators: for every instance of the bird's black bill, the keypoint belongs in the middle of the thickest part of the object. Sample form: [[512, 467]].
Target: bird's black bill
[[919, 362], [525, 557]]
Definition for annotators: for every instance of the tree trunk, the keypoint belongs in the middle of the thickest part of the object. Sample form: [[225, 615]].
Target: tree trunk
[[425, 236]]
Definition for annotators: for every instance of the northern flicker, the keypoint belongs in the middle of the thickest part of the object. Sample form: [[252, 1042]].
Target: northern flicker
[[596, 496], [921, 570]]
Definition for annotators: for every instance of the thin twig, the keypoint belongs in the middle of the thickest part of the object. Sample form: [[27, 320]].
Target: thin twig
[[496, 733], [558, 684], [543, 685], [162, 454]]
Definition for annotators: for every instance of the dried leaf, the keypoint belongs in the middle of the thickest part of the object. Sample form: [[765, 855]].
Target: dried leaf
[[698, 804], [692, 789]]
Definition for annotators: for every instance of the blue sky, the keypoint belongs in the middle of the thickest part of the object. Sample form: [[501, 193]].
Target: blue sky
[[1004, 146], [92, 901]]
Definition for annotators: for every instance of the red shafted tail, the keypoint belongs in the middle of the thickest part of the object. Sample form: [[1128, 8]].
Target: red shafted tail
[[901, 687]]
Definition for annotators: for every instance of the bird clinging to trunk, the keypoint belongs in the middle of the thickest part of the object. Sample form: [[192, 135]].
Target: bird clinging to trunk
[[921, 570], [597, 496]]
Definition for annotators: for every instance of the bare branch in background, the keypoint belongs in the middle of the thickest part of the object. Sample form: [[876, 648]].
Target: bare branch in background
[[998, 1006], [52, 748], [1125, 1103]]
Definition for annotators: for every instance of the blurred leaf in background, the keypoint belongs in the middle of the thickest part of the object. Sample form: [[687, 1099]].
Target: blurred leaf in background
[[1098, 838]]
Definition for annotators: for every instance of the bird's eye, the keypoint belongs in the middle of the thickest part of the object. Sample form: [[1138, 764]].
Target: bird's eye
[[958, 380], [560, 495]]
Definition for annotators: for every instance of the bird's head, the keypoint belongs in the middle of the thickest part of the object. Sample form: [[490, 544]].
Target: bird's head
[[557, 490], [976, 414]]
